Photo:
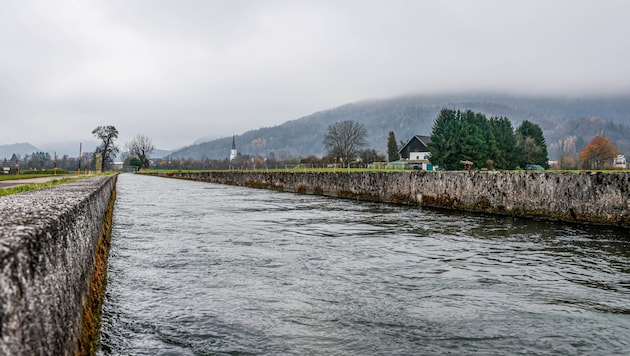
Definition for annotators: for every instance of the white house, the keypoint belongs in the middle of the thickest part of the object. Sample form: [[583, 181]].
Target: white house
[[416, 153], [620, 162]]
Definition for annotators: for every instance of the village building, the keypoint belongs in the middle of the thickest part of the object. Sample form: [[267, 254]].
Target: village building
[[233, 152], [620, 162], [415, 153]]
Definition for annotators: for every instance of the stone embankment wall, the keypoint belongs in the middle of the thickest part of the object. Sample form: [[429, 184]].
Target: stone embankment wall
[[51, 241], [602, 198]]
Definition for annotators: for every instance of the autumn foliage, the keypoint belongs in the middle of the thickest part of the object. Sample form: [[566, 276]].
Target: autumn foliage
[[598, 153]]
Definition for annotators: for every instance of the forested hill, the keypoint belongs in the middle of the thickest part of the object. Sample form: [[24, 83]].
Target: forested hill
[[411, 115]]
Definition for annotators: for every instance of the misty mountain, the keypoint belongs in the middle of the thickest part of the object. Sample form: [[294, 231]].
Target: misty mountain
[[571, 136], [411, 115], [205, 139], [158, 153], [71, 149], [7, 151]]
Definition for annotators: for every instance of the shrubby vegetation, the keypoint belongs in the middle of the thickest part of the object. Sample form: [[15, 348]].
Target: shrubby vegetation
[[38, 161], [571, 137], [599, 153]]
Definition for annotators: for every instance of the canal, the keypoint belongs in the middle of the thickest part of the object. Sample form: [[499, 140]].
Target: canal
[[204, 269]]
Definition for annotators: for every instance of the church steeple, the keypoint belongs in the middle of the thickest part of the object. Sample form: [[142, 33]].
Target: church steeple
[[233, 153]]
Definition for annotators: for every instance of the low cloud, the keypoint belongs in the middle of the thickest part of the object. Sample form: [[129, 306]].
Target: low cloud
[[177, 71]]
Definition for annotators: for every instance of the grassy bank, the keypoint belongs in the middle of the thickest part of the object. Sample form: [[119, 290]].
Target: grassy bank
[[34, 174], [26, 187]]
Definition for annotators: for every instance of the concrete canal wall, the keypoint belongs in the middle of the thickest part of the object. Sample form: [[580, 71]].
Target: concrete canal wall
[[602, 198], [53, 249]]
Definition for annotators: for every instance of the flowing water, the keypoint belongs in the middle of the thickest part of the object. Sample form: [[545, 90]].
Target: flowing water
[[205, 269]]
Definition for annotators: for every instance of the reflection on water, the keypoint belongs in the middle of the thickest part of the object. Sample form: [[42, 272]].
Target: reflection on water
[[201, 269]]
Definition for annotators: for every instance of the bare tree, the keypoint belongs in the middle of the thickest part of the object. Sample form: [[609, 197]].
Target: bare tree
[[344, 140], [140, 148], [107, 149]]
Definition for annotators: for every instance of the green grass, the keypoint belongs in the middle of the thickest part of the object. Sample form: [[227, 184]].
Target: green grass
[[27, 187], [21, 176], [48, 172], [33, 174]]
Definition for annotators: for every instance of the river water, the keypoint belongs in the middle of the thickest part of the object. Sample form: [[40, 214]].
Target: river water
[[205, 269]]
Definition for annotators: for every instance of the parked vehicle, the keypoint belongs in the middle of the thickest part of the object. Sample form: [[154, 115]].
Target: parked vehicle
[[533, 167]]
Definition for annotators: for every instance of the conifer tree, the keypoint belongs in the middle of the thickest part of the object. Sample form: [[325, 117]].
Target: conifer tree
[[444, 139], [531, 146], [392, 147], [505, 143], [474, 138]]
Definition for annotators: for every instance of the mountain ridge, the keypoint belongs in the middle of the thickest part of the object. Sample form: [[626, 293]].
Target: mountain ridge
[[410, 115], [561, 118]]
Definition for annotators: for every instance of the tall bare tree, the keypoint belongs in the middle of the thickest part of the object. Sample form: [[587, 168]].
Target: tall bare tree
[[107, 148], [140, 148], [344, 140]]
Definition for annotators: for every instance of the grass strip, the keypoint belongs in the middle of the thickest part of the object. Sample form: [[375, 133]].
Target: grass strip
[[28, 187]]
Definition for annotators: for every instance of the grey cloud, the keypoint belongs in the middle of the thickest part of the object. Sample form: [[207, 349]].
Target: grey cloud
[[179, 70]]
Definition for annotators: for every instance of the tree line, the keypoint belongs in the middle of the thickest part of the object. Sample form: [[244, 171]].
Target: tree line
[[491, 143], [456, 137]]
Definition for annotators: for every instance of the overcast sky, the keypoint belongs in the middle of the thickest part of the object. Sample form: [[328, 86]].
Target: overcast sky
[[184, 69]]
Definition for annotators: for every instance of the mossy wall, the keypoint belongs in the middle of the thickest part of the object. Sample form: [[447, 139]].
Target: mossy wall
[[50, 241], [582, 197]]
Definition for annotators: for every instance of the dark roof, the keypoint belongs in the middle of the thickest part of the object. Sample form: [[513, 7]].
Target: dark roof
[[425, 140]]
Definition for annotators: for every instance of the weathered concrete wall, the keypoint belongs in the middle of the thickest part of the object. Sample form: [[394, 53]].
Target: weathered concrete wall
[[583, 197], [48, 239]]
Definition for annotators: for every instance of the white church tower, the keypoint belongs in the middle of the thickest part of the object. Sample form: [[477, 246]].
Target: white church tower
[[233, 151]]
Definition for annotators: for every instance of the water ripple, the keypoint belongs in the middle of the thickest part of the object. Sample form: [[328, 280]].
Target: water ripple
[[204, 269]]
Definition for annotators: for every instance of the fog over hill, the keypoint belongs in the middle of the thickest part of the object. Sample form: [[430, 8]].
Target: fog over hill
[[410, 115], [7, 150]]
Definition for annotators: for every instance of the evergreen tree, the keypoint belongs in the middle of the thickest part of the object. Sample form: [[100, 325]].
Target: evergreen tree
[[444, 139], [474, 137], [392, 147], [490, 143], [531, 146], [505, 143]]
